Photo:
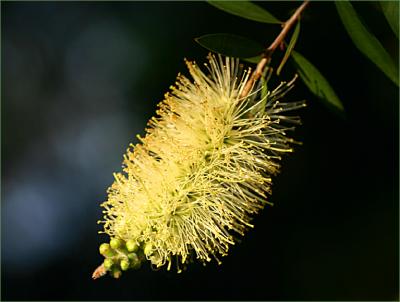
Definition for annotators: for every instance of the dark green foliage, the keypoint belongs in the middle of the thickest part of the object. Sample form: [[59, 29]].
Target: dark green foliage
[[391, 11], [245, 9], [230, 45], [248, 50], [366, 42], [289, 48], [316, 82]]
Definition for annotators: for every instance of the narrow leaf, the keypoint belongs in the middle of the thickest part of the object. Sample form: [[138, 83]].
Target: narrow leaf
[[230, 45], [253, 60], [264, 90], [391, 11], [316, 82], [246, 9], [290, 47], [260, 108], [367, 43]]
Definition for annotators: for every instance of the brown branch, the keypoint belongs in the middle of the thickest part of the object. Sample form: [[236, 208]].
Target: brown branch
[[270, 50]]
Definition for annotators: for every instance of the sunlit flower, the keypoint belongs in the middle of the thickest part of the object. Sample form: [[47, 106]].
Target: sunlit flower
[[204, 168]]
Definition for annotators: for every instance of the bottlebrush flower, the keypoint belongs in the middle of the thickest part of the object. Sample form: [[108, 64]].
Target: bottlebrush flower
[[202, 171]]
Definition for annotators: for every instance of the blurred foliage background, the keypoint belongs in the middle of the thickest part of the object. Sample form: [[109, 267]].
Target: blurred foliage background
[[80, 80]]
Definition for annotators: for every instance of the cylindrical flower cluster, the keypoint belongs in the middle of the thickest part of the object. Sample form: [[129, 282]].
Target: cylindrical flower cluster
[[204, 168]]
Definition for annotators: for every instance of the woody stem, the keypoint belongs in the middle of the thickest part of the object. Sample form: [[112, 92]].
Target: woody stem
[[270, 50]]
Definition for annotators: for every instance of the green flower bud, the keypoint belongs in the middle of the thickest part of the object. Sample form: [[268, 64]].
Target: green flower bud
[[131, 246], [108, 263], [134, 260], [115, 243], [124, 264], [104, 248], [133, 257]]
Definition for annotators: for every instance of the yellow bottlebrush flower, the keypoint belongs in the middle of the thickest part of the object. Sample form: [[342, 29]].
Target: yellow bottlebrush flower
[[204, 168]]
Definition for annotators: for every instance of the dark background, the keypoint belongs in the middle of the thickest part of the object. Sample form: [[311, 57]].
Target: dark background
[[80, 80]]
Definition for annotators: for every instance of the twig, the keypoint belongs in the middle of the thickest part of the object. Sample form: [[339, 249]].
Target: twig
[[269, 51]]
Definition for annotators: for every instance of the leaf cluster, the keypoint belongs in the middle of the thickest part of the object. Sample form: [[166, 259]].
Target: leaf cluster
[[251, 51]]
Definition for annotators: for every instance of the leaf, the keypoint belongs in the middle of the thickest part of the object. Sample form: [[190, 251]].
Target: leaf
[[264, 88], [230, 45], [253, 60], [246, 9], [367, 43], [260, 108], [290, 47], [316, 82], [391, 11]]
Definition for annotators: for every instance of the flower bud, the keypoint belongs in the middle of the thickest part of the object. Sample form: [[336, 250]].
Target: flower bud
[[133, 257], [134, 260], [131, 246], [124, 264], [115, 243], [104, 248], [108, 263]]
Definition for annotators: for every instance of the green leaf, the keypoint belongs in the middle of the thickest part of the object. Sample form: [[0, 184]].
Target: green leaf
[[391, 11], [316, 82], [246, 9], [264, 88], [230, 45], [290, 47], [367, 43], [266, 75], [253, 60]]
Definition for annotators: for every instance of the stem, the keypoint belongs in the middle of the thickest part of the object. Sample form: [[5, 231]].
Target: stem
[[270, 50]]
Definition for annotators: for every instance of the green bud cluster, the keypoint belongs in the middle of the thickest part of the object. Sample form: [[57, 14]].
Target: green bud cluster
[[121, 255]]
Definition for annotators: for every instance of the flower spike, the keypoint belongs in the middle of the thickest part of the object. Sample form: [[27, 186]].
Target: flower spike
[[202, 171]]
